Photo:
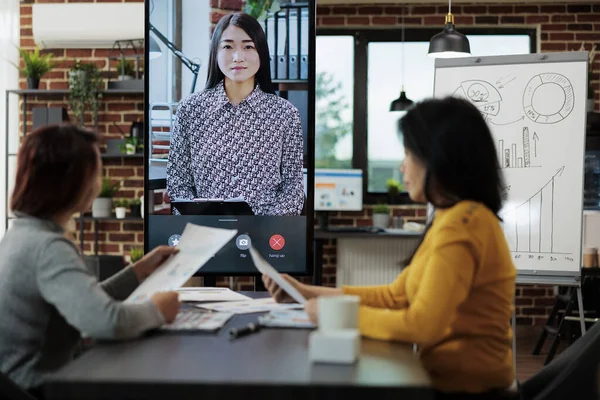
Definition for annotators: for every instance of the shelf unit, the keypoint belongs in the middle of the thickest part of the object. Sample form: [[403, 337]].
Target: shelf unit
[[136, 155], [96, 222], [58, 93]]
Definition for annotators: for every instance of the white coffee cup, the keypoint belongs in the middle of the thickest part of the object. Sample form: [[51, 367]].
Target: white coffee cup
[[338, 312]]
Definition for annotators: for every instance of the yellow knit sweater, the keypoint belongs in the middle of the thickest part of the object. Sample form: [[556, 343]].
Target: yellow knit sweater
[[454, 301]]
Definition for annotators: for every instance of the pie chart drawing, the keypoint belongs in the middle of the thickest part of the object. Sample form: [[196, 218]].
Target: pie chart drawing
[[482, 94], [548, 98]]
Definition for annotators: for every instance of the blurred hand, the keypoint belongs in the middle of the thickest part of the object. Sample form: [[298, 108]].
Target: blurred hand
[[312, 310], [278, 294], [168, 304], [151, 261]]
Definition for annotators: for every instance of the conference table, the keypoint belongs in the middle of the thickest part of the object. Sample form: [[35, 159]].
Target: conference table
[[272, 363]]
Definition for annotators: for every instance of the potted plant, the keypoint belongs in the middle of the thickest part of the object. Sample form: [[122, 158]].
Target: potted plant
[[260, 9], [136, 254], [85, 89], [381, 216], [102, 206], [35, 66], [136, 207], [121, 208], [130, 146], [394, 188], [125, 70]]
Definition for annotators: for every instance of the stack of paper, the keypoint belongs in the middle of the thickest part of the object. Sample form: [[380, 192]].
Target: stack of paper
[[286, 319], [248, 306], [210, 294]]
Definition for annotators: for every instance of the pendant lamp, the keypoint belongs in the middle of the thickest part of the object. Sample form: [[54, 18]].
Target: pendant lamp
[[402, 103], [449, 43]]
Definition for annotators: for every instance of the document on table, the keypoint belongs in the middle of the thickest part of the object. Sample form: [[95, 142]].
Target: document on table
[[266, 268], [209, 294], [286, 319], [248, 306], [198, 244]]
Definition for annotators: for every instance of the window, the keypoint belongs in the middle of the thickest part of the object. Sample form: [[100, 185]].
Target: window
[[374, 144], [385, 151], [335, 101]]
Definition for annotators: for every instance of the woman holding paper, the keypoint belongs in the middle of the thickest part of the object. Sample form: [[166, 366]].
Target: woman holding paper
[[48, 297], [454, 299]]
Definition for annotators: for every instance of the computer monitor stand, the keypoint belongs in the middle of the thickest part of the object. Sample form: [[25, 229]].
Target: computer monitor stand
[[323, 217]]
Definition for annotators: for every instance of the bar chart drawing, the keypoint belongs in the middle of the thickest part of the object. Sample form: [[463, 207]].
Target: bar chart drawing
[[529, 227], [513, 157]]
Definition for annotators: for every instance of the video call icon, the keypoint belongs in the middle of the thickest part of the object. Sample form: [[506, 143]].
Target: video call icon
[[277, 242], [174, 240], [243, 242]]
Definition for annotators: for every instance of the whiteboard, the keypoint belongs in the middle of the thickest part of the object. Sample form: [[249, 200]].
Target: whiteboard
[[535, 107]]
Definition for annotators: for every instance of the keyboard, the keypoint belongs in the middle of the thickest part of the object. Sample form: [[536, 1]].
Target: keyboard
[[197, 320]]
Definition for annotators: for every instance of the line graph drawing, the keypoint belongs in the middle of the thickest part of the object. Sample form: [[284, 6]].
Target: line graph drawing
[[548, 98], [521, 157], [529, 227]]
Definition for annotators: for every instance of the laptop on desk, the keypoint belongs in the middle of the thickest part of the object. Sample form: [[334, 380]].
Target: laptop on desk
[[212, 207]]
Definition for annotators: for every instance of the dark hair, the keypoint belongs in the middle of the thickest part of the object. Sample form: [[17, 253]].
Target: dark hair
[[451, 138], [453, 141], [252, 27], [53, 164]]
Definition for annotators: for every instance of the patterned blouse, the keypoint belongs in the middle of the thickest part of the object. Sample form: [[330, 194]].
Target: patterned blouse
[[253, 150]]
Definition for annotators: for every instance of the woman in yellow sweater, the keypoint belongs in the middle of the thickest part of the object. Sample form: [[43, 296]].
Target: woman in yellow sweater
[[455, 297]]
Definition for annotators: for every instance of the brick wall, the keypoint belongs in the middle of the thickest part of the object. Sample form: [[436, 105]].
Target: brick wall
[[115, 237], [562, 27]]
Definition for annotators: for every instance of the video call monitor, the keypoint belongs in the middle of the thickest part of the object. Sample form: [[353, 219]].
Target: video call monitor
[[338, 190], [229, 132]]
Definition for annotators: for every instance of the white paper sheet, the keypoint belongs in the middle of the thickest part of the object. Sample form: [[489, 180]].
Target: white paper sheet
[[198, 244], [266, 268], [209, 294], [286, 319], [248, 306]]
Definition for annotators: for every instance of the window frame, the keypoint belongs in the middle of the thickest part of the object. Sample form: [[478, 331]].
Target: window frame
[[362, 38]]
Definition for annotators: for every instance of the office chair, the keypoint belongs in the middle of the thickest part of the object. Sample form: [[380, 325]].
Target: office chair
[[573, 373], [11, 391]]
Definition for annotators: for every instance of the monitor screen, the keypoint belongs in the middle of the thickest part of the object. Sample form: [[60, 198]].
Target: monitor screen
[[230, 137], [338, 190]]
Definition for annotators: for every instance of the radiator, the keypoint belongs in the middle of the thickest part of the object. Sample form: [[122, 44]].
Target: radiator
[[374, 261]]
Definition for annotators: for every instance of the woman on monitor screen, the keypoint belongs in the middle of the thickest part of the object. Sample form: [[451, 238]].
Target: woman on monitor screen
[[454, 299], [237, 138]]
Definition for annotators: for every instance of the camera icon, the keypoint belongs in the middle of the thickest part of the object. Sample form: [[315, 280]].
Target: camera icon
[[243, 242]]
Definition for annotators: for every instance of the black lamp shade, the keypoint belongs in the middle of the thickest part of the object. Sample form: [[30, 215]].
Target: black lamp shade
[[402, 103], [449, 43]]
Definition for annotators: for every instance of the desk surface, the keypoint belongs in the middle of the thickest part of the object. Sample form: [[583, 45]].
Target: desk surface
[[272, 363], [392, 234]]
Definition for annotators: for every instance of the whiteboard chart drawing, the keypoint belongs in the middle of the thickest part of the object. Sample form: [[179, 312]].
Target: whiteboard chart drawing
[[483, 94], [548, 98], [529, 228], [534, 105], [519, 155]]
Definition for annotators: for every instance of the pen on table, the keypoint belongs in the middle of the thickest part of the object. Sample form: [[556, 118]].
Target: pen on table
[[235, 333]]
